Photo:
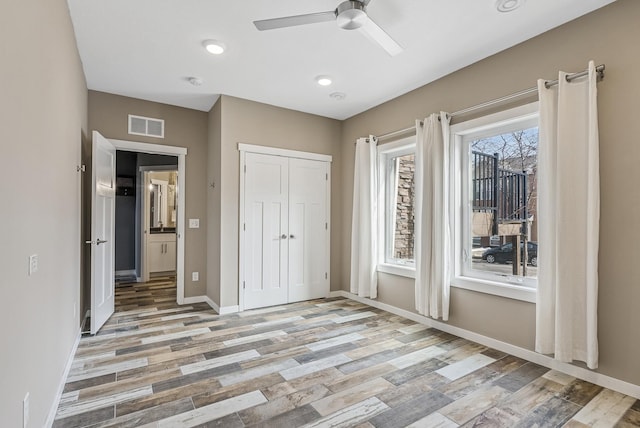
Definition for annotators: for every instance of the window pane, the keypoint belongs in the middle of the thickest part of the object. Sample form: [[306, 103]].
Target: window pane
[[503, 199], [402, 206]]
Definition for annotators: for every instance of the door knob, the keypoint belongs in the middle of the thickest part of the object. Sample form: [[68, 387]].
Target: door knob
[[291, 236], [283, 236]]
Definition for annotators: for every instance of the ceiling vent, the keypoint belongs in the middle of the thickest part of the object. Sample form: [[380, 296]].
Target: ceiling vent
[[147, 126]]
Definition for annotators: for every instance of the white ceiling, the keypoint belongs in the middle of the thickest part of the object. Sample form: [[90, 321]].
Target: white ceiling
[[149, 48]]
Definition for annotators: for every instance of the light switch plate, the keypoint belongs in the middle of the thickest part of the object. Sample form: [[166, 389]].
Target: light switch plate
[[195, 276], [194, 223]]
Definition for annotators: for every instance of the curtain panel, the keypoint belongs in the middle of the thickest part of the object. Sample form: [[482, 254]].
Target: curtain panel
[[569, 206], [364, 222], [432, 233]]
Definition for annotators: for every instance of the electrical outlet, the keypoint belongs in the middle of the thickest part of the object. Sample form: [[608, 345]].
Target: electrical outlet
[[195, 276], [25, 411], [194, 223], [33, 264]]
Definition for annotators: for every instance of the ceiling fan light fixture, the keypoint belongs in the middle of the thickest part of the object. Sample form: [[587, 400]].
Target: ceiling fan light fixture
[[508, 5], [214, 47], [323, 80], [351, 15]]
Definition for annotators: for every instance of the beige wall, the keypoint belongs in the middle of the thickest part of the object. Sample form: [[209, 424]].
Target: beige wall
[[609, 36], [249, 122], [108, 114], [43, 118]]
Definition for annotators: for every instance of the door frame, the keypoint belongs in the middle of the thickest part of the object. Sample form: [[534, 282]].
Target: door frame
[[251, 148], [181, 153]]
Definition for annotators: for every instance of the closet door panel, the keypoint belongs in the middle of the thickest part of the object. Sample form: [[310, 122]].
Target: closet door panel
[[266, 237], [308, 234]]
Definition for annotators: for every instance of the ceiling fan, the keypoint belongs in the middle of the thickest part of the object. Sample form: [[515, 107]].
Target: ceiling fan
[[349, 15]]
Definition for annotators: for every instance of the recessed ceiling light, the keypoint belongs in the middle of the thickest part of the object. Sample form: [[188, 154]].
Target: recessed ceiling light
[[214, 46], [338, 96], [508, 5], [323, 80]]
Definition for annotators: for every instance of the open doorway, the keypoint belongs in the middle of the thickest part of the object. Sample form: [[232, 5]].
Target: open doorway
[[146, 216], [149, 218], [108, 183]]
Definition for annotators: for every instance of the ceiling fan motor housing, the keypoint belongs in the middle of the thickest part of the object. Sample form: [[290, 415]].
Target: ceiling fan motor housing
[[351, 15]]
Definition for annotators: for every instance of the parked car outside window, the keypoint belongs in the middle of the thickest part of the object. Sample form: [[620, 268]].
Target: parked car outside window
[[504, 254]]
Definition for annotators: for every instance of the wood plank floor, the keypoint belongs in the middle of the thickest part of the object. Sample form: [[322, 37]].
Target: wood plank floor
[[323, 363]]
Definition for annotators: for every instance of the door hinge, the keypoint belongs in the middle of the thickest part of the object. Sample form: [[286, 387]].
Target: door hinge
[[245, 169], [244, 226], [81, 168], [326, 275], [244, 285], [326, 226], [326, 176]]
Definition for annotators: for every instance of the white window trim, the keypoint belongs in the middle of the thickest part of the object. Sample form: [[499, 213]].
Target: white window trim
[[398, 270], [503, 121], [392, 149]]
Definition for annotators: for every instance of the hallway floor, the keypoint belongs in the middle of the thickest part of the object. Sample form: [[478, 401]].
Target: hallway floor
[[323, 363]]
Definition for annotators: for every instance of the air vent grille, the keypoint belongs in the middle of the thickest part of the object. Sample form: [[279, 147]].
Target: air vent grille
[[147, 126]]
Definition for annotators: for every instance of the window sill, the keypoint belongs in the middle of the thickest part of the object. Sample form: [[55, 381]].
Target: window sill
[[398, 270], [525, 294]]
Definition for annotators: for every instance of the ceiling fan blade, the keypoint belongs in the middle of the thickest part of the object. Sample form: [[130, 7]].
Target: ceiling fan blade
[[292, 21], [378, 35]]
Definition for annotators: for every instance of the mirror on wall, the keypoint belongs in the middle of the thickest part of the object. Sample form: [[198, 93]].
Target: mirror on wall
[[161, 188]]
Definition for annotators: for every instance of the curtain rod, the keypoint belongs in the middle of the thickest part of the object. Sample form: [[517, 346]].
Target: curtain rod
[[599, 69]]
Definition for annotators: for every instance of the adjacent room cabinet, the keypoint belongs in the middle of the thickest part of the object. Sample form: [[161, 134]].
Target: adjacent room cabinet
[[284, 226], [161, 249]]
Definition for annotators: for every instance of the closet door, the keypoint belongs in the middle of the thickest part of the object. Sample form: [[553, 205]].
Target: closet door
[[266, 236], [308, 229]]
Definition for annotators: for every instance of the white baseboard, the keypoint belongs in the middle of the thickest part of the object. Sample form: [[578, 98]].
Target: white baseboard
[[129, 272], [63, 380], [194, 299], [543, 360], [224, 310]]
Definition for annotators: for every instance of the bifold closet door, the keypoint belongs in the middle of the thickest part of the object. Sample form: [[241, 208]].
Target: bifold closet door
[[266, 235], [308, 229], [285, 229]]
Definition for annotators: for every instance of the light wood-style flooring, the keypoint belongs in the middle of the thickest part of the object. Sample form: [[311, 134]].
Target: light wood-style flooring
[[323, 363]]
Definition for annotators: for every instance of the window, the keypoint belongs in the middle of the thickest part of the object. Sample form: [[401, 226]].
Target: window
[[397, 191], [495, 186]]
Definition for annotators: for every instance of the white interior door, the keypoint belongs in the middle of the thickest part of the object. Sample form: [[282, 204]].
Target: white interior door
[[265, 230], [308, 229], [102, 231]]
